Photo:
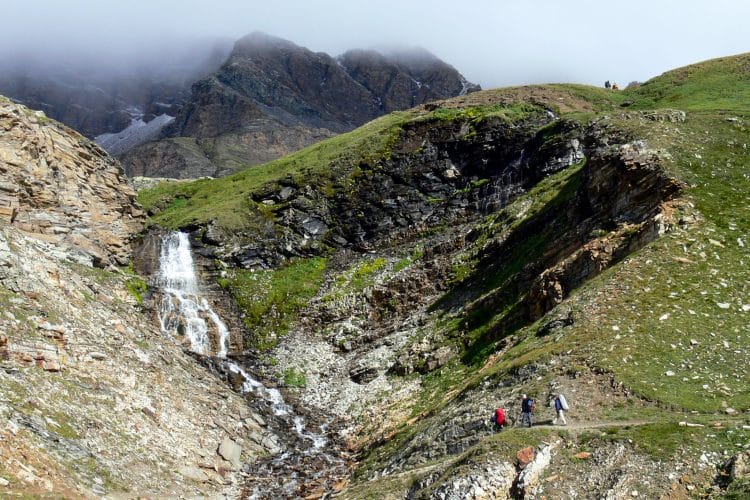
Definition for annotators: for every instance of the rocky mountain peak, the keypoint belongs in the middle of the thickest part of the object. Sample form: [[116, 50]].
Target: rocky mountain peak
[[260, 43], [272, 97], [64, 189]]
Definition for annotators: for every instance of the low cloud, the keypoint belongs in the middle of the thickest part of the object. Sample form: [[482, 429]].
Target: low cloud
[[492, 42]]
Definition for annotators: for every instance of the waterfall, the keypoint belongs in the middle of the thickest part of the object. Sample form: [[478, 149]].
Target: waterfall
[[185, 315], [182, 311]]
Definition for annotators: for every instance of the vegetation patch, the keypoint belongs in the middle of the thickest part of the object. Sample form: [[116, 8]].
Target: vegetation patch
[[270, 299], [294, 378]]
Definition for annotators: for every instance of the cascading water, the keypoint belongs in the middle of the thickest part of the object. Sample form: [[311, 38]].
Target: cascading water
[[185, 314], [182, 311]]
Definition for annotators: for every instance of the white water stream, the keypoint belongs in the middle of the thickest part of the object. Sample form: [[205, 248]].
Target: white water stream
[[183, 312]]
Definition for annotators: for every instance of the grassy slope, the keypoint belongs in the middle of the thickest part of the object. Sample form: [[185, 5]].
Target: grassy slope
[[691, 275], [328, 165], [699, 278]]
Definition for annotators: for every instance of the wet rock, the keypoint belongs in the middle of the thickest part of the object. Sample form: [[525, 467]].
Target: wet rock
[[236, 379]]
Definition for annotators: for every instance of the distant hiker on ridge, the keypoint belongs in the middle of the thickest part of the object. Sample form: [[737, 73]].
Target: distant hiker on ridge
[[498, 418], [560, 407], [607, 85], [615, 87], [527, 410]]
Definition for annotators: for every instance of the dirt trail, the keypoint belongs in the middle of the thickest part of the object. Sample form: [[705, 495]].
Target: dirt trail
[[595, 425], [574, 426]]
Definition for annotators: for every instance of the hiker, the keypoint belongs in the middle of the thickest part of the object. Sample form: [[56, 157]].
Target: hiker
[[607, 85], [498, 418], [615, 87], [527, 410], [560, 407]]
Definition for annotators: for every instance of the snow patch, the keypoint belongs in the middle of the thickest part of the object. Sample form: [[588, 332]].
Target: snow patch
[[135, 134]]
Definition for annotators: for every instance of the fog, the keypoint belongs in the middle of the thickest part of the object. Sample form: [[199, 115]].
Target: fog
[[492, 42]]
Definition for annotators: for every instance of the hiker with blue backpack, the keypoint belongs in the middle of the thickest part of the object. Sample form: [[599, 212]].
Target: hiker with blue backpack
[[561, 406], [527, 410]]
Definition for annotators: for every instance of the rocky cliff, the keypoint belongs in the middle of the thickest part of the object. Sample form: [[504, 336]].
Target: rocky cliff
[[64, 188], [272, 97], [94, 399], [410, 276]]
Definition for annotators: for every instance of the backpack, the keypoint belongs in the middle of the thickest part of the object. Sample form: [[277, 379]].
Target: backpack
[[563, 402], [528, 406], [499, 416]]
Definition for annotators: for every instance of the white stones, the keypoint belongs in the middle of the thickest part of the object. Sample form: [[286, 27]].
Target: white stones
[[693, 342], [723, 305], [669, 373], [4, 482], [664, 317], [745, 307]]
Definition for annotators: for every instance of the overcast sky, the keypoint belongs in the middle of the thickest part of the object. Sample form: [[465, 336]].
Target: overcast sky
[[492, 42]]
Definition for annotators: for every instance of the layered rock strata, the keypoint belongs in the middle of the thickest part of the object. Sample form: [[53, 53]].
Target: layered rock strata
[[65, 189]]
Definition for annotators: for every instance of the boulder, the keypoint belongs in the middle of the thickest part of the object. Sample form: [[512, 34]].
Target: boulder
[[363, 374], [230, 451], [525, 456]]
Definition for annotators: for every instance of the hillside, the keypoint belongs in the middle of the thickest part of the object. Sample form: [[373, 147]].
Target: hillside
[[419, 271], [94, 399], [272, 97]]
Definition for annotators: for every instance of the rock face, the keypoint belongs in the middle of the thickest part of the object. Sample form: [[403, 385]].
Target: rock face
[[94, 399], [67, 190], [272, 97]]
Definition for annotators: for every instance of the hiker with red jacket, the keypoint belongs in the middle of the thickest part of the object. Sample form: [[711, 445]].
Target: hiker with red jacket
[[498, 418]]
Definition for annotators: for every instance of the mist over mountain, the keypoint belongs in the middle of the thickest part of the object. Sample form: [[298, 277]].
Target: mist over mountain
[[272, 97], [103, 93]]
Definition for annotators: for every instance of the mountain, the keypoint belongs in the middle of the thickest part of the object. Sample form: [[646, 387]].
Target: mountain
[[272, 97], [410, 276]]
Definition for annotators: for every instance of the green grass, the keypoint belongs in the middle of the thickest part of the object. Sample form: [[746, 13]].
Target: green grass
[[270, 299], [669, 441], [717, 84], [137, 287], [226, 200], [294, 378]]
